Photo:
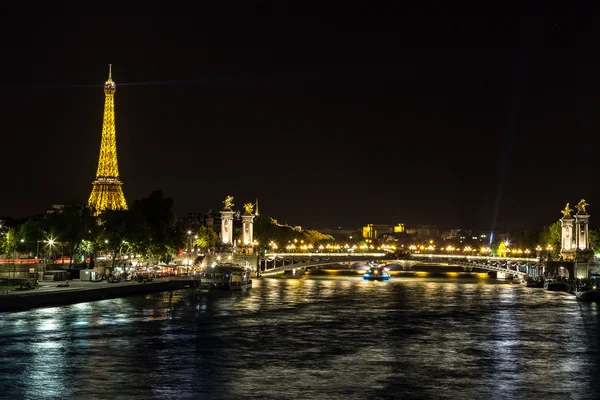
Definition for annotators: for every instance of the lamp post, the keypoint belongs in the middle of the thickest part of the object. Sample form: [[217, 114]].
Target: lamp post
[[51, 245], [188, 251]]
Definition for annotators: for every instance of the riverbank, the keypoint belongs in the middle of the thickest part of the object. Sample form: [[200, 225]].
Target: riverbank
[[49, 294]]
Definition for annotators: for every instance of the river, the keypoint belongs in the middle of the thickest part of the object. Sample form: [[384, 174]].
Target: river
[[327, 338]]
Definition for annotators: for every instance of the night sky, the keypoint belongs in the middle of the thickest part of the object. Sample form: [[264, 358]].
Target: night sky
[[444, 115]]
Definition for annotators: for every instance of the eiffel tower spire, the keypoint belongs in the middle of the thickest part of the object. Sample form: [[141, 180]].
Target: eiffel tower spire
[[107, 193]]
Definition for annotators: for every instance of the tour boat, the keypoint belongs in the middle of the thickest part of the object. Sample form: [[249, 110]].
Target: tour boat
[[377, 273], [226, 276]]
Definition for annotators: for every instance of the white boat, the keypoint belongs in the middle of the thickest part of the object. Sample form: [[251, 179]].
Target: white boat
[[226, 276]]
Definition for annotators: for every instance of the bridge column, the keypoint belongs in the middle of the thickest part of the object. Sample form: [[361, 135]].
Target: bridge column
[[227, 226], [247, 228], [581, 221]]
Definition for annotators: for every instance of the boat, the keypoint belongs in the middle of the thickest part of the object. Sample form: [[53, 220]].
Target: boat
[[533, 283], [226, 276], [556, 286], [377, 273], [589, 295]]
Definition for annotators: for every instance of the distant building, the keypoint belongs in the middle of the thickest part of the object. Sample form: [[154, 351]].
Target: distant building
[[466, 236], [399, 228], [374, 231], [339, 231], [55, 208], [428, 231], [194, 220]]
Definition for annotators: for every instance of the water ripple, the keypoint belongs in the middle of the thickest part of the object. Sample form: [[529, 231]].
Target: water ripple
[[309, 339]]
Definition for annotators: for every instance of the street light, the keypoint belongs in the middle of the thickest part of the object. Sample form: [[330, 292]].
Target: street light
[[51, 243]]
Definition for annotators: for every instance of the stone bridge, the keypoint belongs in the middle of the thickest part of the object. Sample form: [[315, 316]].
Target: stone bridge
[[273, 264]]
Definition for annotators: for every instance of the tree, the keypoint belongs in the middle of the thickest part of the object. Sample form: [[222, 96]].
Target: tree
[[527, 239], [124, 230], [501, 249], [551, 235], [33, 233], [314, 237], [207, 239], [73, 224], [160, 220], [267, 231], [12, 240], [594, 239]]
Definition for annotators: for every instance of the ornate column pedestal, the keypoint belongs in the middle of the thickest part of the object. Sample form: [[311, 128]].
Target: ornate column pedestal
[[581, 231], [567, 250], [227, 227], [248, 225], [227, 222]]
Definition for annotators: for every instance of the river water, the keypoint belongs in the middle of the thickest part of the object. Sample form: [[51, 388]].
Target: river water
[[328, 338]]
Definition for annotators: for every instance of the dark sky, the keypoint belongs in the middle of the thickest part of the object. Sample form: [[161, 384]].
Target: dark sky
[[456, 116]]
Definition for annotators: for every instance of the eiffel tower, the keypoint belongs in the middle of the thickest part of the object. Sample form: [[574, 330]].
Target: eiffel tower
[[107, 193]]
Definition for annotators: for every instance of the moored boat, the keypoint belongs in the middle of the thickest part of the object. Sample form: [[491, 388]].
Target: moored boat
[[226, 276], [556, 286], [534, 283], [589, 295]]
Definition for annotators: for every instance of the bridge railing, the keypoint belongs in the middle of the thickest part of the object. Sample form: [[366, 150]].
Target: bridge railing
[[492, 268], [349, 254], [469, 257]]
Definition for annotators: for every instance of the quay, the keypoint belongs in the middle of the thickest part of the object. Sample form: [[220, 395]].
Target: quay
[[49, 294]]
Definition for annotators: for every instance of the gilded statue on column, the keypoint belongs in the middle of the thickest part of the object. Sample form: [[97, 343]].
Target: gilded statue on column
[[581, 207], [228, 202], [566, 211], [249, 207]]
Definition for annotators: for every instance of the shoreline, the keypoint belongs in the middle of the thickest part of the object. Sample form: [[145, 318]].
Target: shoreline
[[81, 292]]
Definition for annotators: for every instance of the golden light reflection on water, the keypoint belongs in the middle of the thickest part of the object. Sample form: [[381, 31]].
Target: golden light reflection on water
[[327, 337]]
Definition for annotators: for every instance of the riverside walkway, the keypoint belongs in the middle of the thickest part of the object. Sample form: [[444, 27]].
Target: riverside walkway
[[50, 294]]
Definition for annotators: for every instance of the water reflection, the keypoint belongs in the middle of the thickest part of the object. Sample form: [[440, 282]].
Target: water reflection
[[309, 338]]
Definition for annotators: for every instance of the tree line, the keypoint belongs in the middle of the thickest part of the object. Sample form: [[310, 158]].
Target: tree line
[[147, 229]]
